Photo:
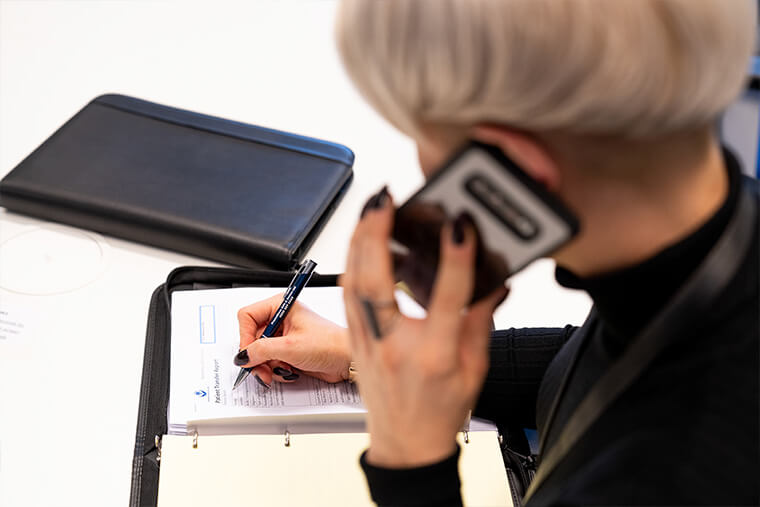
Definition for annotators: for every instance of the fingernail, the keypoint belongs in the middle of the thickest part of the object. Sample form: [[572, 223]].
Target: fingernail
[[261, 382], [292, 376], [281, 371], [457, 228], [376, 201], [241, 358]]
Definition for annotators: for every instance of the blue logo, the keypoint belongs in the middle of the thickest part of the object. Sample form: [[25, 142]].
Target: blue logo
[[201, 393]]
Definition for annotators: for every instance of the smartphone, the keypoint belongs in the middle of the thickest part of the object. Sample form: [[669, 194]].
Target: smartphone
[[516, 220]]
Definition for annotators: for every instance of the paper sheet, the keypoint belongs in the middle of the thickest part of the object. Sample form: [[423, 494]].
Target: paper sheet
[[205, 338], [249, 470]]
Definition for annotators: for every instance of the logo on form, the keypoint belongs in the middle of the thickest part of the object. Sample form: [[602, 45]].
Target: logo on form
[[201, 393]]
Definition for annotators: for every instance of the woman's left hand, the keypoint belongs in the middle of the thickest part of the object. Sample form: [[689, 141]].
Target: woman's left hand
[[417, 377]]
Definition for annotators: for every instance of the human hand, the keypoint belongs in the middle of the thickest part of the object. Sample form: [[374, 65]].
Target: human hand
[[417, 377], [308, 342]]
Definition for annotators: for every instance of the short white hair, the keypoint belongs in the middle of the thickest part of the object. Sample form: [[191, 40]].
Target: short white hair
[[635, 68]]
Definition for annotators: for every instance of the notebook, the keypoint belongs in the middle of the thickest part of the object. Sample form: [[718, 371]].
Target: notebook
[[295, 443], [184, 181]]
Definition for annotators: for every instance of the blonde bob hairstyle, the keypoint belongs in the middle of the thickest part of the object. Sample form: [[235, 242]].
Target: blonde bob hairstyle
[[633, 68]]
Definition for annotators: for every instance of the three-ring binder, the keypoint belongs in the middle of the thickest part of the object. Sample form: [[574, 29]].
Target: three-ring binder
[[287, 441]]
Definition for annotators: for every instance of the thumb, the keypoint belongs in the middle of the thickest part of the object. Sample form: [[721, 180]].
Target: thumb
[[252, 319]]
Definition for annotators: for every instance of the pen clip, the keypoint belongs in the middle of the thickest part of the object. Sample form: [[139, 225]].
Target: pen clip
[[293, 280], [300, 270], [306, 268]]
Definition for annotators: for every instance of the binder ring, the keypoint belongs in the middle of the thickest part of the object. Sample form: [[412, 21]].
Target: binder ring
[[157, 442], [287, 438], [195, 439]]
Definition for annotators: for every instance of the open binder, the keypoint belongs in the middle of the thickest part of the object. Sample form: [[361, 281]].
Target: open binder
[[312, 460]]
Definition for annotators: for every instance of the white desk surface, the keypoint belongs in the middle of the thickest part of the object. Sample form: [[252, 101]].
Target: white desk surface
[[69, 383]]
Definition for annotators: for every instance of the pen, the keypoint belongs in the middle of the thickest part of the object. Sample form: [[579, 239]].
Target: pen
[[299, 281]]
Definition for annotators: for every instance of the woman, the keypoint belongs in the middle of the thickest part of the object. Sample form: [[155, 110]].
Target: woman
[[611, 106]]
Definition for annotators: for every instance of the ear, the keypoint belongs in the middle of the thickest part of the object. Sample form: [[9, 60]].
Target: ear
[[524, 149]]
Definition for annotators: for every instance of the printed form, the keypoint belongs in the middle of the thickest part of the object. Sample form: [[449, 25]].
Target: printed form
[[205, 338]]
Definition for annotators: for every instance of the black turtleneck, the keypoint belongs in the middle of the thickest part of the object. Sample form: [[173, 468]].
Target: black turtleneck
[[685, 433], [627, 299]]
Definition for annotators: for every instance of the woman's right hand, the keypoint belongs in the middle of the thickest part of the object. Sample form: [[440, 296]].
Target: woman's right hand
[[311, 344]]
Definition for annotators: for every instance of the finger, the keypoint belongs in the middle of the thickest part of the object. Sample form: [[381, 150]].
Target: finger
[[356, 332], [453, 286], [373, 302], [283, 372], [478, 320], [345, 281], [373, 261], [268, 349], [475, 337], [262, 375], [254, 318]]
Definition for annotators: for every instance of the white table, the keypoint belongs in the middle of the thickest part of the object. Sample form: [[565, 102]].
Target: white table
[[69, 382]]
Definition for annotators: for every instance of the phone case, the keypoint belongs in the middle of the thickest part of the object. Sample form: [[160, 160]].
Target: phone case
[[516, 220]]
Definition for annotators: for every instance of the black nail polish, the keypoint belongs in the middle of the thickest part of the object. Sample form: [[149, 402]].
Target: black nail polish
[[458, 227], [292, 376], [457, 231], [281, 371], [241, 358], [376, 201], [261, 382], [382, 197]]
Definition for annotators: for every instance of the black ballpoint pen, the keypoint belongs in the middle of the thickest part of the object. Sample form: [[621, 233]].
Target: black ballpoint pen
[[299, 281]]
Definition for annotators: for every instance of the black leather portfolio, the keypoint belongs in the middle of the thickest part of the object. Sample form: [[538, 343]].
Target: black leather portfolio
[[184, 181], [154, 391]]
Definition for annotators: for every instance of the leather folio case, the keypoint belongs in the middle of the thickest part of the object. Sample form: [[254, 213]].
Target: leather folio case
[[175, 179], [154, 390]]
